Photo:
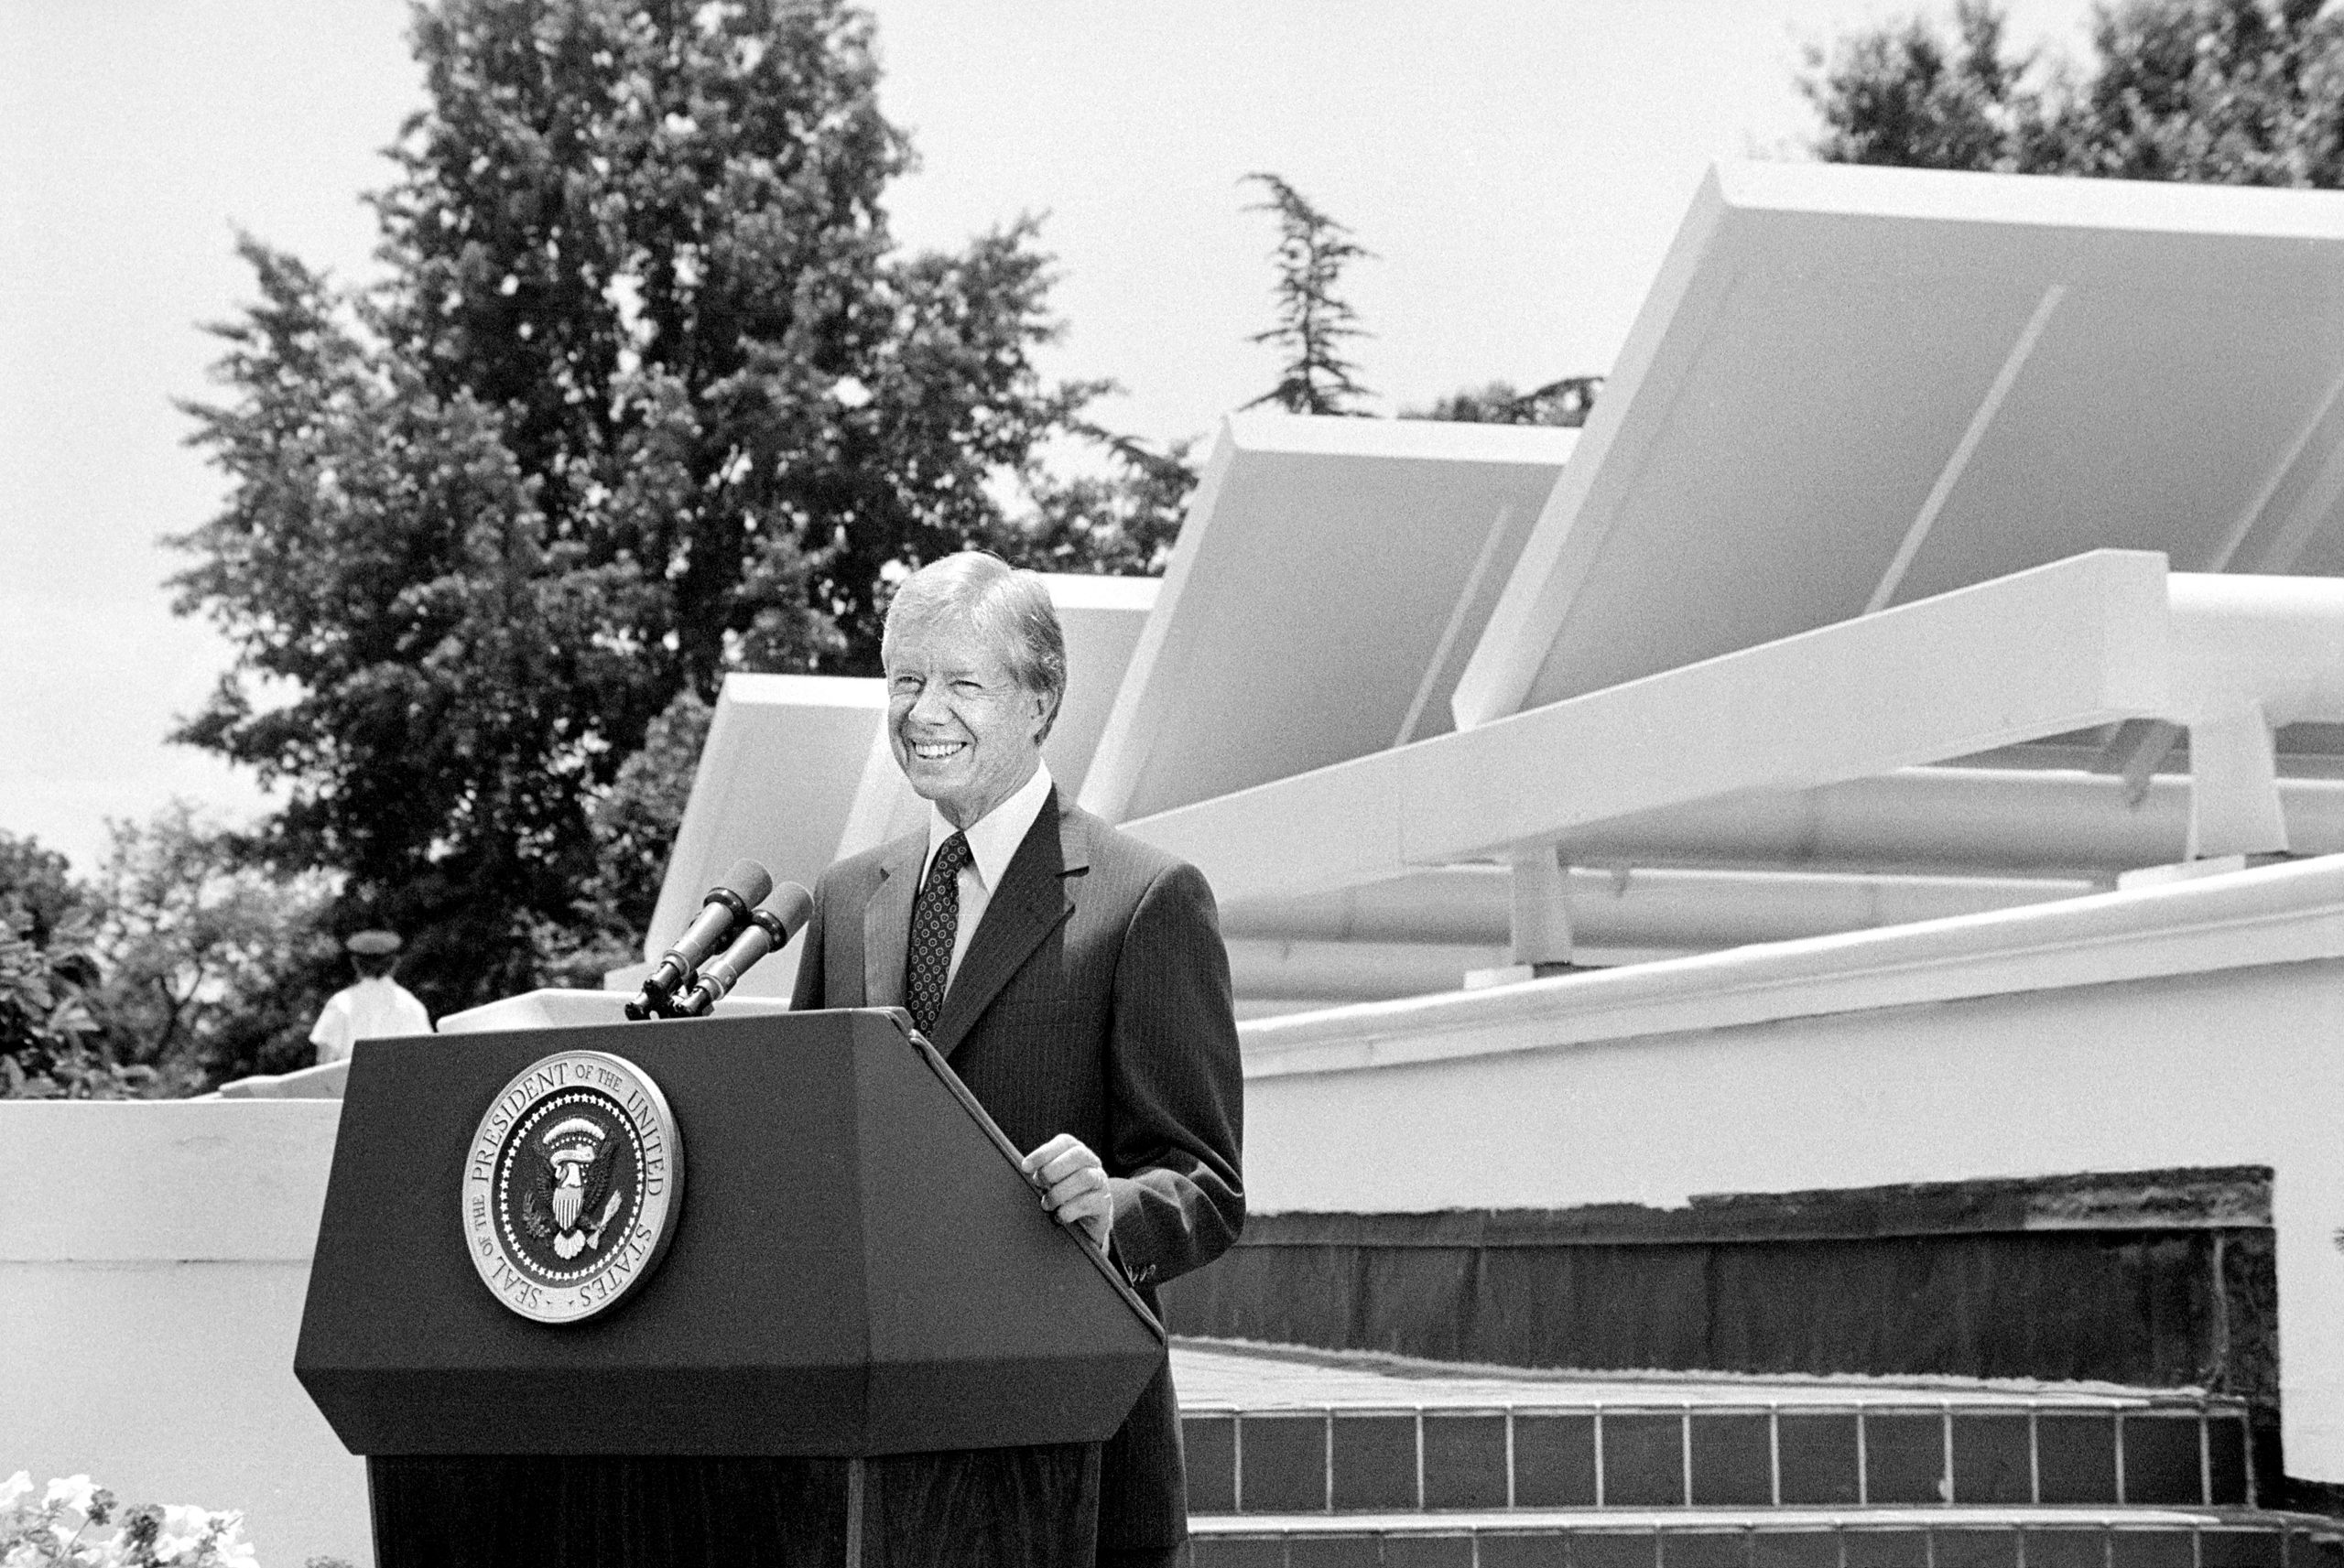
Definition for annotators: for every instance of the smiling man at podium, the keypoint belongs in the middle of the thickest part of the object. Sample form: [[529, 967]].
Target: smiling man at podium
[[1073, 977]]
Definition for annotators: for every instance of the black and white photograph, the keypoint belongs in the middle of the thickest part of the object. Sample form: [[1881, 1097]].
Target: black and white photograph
[[985, 784]]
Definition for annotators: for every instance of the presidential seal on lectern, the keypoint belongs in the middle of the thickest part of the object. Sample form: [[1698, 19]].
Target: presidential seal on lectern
[[572, 1186]]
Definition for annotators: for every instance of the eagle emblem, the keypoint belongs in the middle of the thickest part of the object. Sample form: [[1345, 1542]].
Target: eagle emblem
[[571, 1201], [572, 1186]]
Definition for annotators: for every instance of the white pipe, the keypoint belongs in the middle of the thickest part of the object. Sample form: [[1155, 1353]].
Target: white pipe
[[1350, 971], [2009, 821], [1682, 911], [1287, 983], [2278, 640], [2250, 653]]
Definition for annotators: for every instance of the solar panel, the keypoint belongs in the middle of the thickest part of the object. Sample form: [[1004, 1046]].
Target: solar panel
[[1856, 387], [1332, 577]]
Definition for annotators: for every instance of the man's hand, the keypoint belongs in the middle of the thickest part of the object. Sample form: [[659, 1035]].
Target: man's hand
[[1074, 1185]]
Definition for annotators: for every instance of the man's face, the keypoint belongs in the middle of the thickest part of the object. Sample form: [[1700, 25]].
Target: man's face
[[962, 728]]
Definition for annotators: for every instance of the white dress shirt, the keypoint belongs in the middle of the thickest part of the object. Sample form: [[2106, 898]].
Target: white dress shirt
[[375, 1007], [992, 841]]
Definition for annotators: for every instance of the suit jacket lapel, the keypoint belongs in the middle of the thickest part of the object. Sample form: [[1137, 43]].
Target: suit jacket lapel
[[1037, 892], [887, 922]]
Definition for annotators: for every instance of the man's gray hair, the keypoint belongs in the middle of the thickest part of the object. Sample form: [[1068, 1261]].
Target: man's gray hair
[[1010, 607]]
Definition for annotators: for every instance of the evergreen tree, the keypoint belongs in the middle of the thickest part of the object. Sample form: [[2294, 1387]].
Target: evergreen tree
[[1314, 321], [647, 395]]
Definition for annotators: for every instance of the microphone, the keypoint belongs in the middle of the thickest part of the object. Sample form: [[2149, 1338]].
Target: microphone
[[770, 928], [726, 906]]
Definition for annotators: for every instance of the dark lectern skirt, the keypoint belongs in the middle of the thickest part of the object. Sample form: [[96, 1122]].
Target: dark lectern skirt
[[995, 1507]]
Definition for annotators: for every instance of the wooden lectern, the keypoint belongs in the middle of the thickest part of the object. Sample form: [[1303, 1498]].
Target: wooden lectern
[[866, 1343]]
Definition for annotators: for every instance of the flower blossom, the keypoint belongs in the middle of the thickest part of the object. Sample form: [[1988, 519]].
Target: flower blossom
[[184, 1527], [74, 1491], [235, 1550]]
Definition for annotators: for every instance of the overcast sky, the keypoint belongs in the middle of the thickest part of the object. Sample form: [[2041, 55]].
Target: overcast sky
[[1518, 170]]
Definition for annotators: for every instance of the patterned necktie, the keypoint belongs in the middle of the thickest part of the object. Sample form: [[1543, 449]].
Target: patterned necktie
[[936, 920]]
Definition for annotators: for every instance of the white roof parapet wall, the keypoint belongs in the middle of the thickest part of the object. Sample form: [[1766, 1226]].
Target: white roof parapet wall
[[1855, 387], [1329, 581]]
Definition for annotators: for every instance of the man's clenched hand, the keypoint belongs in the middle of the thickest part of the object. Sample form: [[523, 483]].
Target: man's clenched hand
[[1074, 1185]]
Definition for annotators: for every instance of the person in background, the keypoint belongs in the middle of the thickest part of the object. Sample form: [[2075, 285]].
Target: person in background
[[374, 1007]]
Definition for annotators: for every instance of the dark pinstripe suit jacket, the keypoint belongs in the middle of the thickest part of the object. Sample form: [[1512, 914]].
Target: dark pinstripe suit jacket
[[1093, 999]]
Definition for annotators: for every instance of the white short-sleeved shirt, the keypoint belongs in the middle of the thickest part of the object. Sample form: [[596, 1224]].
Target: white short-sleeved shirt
[[377, 1006]]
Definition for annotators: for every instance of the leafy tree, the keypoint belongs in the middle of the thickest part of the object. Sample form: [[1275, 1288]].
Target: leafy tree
[[1122, 522], [1907, 95], [215, 967], [1314, 321], [2222, 92], [1565, 403], [51, 1045], [184, 962], [635, 825], [647, 394], [40, 883]]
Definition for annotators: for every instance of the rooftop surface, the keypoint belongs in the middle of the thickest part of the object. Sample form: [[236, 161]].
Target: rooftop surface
[[1214, 1375]]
